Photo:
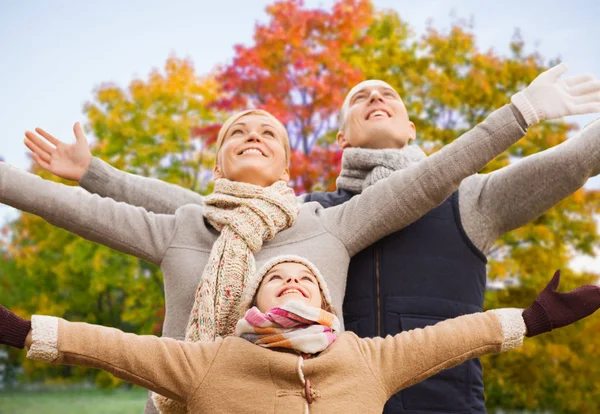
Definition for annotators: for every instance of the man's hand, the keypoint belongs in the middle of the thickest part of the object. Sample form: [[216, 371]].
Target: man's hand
[[68, 161], [550, 97]]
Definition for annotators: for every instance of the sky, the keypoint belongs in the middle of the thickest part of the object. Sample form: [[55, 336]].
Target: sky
[[54, 53]]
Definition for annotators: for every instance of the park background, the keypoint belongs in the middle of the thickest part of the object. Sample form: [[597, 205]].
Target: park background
[[153, 81]]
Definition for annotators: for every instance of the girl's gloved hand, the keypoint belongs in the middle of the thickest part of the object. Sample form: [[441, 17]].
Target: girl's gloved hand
[[553, 310], [13, 329]]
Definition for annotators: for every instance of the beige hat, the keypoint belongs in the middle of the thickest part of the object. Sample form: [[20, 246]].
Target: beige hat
[[254, 283]]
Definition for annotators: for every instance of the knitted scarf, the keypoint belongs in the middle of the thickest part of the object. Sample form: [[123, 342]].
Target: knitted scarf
[[246, 215], [293, 325], [362, 167]]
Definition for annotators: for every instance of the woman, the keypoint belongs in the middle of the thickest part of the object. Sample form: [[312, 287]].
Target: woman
[[302, 362], [252, 216]]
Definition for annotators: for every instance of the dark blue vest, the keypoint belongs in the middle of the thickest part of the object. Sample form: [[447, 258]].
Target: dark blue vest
[[418, 276]]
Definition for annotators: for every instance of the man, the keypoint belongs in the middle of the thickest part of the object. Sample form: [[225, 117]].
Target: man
[[431, 270]]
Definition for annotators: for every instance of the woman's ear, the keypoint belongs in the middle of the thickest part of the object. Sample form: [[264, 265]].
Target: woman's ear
[[285, 176], [217, 173]]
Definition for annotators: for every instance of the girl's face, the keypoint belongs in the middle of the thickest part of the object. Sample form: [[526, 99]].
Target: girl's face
[[253, 152], [285, 282]]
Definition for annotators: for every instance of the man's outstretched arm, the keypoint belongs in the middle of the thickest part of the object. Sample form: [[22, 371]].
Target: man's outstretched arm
[[493, 204]]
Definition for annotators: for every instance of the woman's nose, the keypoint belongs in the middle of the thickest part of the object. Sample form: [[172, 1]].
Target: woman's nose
[[253, 136], [292, 279]]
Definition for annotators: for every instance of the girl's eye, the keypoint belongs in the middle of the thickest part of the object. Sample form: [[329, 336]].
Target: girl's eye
[[237, 131], [275, 277], [269, 133], [308, 279]]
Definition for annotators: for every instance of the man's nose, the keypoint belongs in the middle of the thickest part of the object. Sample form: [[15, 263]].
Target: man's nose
[[375, 97]]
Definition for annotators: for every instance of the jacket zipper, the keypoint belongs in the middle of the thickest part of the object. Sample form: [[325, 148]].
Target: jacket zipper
[[377, 290]]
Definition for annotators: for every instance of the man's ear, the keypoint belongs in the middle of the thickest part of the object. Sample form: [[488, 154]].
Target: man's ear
[[341, 140], [412, 130], [285, 176]]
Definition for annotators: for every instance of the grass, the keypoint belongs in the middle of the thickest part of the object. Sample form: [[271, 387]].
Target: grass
[[67, 402]]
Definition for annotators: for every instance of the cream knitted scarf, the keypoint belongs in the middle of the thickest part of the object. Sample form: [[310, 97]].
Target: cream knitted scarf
[[246, 215]]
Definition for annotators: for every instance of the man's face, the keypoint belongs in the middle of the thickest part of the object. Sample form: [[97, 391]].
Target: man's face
[[375, 117]]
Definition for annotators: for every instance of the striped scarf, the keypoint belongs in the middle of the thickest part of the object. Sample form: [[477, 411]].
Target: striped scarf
[[293, 325], [246, 215]]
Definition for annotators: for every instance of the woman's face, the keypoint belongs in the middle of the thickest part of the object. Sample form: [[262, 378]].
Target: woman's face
[[253, 152], [285, 282]]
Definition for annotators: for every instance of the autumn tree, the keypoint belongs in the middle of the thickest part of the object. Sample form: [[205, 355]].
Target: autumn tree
[[148, 129], [295, 70], [299, 67]]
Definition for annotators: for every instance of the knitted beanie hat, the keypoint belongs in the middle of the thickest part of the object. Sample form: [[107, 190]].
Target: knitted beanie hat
[[254, 282]]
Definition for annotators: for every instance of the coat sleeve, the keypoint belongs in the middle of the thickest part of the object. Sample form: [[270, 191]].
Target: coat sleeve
[[166, 366], [406, 195], [121, 226], [151, 194], [407, 358], [493, 204]]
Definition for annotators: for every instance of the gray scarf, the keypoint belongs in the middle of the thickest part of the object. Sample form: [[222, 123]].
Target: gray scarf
[[363, 167]]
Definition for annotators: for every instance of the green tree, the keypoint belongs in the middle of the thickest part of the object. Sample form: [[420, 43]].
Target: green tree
[[149, 128]]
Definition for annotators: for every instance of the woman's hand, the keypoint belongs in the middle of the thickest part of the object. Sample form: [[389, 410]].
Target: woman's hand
[[68, 161], [553, 309]]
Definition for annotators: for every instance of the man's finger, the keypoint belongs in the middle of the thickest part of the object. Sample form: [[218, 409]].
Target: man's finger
[[48, 136], [587, 99], [585, 88], [589, 108], [556, 71], [39, 142], [579, 79]]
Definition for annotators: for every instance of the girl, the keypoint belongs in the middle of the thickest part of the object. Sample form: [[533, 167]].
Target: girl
[[287, 354]]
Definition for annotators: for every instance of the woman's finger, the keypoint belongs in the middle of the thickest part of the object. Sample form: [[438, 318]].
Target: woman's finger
[[41, 162], [48, 136], [37, 151], [78, 131], [39, 142]]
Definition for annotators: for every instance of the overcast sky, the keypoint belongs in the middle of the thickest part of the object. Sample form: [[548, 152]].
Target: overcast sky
[[54, 53]]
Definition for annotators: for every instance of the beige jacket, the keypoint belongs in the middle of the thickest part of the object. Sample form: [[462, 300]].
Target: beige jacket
[[180, 243], [232, 375]]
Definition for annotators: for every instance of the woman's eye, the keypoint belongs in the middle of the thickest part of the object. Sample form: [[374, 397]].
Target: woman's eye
[[269, 133], [237, 131], [359, 97]]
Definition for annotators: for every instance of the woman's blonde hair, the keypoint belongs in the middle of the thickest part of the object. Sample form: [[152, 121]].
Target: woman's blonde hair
[[227, 125]]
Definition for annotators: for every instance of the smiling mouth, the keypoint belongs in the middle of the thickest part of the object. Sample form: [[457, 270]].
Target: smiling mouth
[[250, 151], [378, 114], [291, 291]]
